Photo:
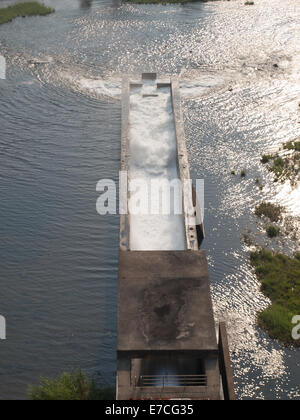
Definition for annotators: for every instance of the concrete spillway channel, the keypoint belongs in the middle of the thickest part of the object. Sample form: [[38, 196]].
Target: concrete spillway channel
[[167, 340]]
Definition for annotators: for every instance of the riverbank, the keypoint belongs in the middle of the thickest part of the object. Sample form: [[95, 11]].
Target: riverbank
[[280, 279], [10, 13]]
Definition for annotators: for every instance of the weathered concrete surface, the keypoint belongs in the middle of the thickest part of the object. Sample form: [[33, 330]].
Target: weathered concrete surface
[[129, 371], [149, 76], [183, 165], [164, 302], [124, 218], [225, 364]]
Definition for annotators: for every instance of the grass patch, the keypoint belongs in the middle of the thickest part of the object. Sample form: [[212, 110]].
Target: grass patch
[[273, 231], [280, 279], [74, 386], [7, 14], [269, 210]]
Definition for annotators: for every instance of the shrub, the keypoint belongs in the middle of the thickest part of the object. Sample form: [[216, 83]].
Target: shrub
[[269, 210], [74, 386], [243, 173], [272, 231]]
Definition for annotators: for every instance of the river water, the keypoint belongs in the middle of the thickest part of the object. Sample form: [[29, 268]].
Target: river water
[[60, 134]]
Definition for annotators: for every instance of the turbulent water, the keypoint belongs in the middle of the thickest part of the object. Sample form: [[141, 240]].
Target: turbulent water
[[60, 134], [153, 163]]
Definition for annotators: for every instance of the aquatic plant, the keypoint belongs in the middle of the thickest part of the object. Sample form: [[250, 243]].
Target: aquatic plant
[[293, 146], [247, 239], [266, 158], [74, 386], [269, 210], [272, 231]]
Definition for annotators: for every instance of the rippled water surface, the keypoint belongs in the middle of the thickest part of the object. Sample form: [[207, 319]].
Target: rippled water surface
[[60, 133]]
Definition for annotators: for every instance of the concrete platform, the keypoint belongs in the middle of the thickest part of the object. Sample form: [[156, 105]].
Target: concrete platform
[[165, 303]]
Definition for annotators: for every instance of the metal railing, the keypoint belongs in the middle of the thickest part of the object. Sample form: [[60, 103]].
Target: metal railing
[[171, 380]]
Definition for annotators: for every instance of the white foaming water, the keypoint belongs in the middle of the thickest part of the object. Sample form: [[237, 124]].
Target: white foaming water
[[190, 89], [153, 153], [102, 87], [112, 87]]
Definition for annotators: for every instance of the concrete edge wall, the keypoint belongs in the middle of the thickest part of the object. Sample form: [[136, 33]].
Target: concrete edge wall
[[125, 156], [225, 364], [183, 163]]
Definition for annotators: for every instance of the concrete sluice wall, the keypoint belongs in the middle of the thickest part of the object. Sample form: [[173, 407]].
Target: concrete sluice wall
[[153, 160]]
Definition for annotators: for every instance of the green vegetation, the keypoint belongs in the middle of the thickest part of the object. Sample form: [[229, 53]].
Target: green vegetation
[[7, 14], [269, 210], [266, 158], [247, 239], [278, 167], [293, 146], [286, 167], [243, 173], [273, 231], [232, 172], [260, 186], [74, 386], [249, 3], [280, 280]]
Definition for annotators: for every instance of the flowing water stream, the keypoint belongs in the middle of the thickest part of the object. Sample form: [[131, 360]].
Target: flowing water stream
[[60, 126]]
